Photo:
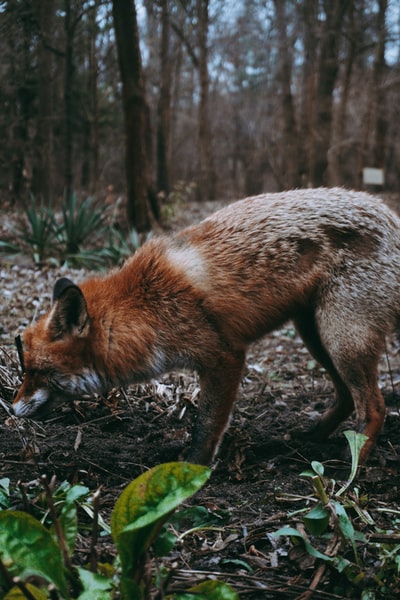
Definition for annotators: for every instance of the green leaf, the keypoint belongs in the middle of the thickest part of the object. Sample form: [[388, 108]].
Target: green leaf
[[95, 586], [345, 524], [238, 563], [317, 520], [155, 494], [146, 502], [356, 442], [318, 468], [27, 548], [77, 492], [346, 527], [291, 532], [307, 473]]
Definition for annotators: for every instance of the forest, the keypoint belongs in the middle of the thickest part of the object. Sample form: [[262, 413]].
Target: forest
[[121, 119], [224, 99]]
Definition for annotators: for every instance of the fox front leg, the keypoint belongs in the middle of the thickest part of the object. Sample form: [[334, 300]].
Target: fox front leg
[[219, 387]]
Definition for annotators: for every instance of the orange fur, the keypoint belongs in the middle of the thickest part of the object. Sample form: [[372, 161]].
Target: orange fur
[[328, 259]]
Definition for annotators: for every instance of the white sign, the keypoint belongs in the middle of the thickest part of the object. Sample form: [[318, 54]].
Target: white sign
[[373, 176]]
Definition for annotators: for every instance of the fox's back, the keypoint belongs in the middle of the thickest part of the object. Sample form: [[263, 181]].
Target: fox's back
[[269, 254]]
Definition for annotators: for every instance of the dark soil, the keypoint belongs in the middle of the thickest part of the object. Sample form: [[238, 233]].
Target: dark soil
[[105, 443]]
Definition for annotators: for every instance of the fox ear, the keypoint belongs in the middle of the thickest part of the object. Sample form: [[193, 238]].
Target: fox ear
[[69, 315]]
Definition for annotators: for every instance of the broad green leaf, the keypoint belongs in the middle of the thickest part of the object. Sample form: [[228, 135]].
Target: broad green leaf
[[356, 442], [154, 494], [27, 548], [76, 492], [317, 520], [95, 586], [345, 524], [292, 532], [318, 467], [17, 594], [144, 505]]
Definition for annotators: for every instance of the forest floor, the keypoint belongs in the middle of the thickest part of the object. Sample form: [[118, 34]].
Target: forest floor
[[256, 486]]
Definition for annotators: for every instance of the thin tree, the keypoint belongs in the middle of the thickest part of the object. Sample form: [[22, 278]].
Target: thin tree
[[141, 200], [42, 167], [164, 103], [328, 67], [206, 184]]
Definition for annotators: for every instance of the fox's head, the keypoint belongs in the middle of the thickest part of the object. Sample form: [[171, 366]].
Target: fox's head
[[56, 355]]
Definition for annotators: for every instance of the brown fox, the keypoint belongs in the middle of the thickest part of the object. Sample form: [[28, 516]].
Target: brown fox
[[329, 259]]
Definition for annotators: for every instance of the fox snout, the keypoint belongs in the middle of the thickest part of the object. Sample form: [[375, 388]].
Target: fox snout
[[27, 403]]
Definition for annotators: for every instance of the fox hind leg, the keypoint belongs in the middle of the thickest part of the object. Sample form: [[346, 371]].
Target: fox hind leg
[[354, 346], [343, 406]]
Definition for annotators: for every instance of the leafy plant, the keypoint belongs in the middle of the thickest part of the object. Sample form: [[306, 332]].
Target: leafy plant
[[119, 246], [331, 524], [33, 555], [81, 222], [77, 236], [38, 229], [7, 247]]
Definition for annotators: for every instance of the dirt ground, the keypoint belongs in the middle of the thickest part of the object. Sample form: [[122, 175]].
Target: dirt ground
[[256, 480]]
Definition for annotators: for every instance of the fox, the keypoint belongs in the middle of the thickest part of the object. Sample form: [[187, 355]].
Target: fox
[[327, 259]]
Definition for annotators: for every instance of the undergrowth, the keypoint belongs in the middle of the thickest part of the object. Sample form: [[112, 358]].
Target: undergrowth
[[338, 532], [38, 558], [78, 235]]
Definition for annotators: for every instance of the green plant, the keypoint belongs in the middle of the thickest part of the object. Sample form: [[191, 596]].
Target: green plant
[[82, 221], [38, 229], [7, 247], [334, 524], [119, 247], [34, 554]]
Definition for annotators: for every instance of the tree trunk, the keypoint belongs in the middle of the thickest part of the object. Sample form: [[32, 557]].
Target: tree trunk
[[289, 169], [328, 67], [69, 77], [206, 183], [164, 104], [339, 133], [309, 18], [136, 114], [90, 159], [42, 168]]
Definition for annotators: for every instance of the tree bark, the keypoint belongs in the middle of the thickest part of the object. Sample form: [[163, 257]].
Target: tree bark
[[69, 77], [289, 167], [206, 176], [328, 67], [42, 168], [141, 200], [164, 104], [309, 17]]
